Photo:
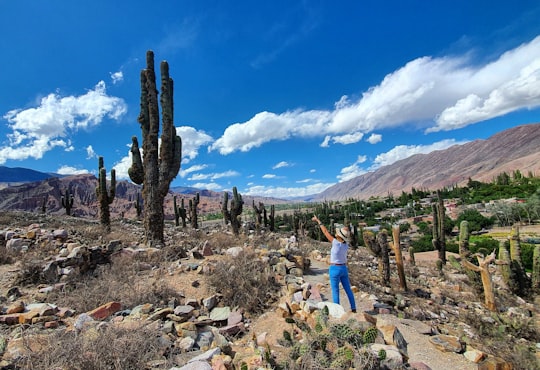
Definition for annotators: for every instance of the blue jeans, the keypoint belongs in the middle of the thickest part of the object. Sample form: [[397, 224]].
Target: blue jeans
[[340, 274]]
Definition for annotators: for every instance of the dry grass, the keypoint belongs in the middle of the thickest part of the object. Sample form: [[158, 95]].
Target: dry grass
[[104, 347], [245, 282], [125, 281]]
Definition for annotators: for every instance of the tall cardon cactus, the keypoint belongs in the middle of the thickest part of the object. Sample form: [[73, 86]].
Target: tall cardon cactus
[[105, 198], [193, 203], [67, 202], [233, 216], [159, 164], [439, 242], [179, 212]]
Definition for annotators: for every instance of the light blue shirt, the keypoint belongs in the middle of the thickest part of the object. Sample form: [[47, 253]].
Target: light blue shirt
[[338, 253]]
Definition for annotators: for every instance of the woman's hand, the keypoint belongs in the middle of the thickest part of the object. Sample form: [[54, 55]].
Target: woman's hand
[[316, 219]]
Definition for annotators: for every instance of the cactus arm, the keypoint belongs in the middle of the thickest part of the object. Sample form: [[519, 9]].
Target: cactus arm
[[136, 171]]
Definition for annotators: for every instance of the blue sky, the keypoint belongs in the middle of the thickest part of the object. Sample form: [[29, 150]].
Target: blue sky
[[277, 98]]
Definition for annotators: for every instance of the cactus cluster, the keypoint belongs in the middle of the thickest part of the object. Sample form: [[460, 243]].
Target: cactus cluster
[[330, 345]]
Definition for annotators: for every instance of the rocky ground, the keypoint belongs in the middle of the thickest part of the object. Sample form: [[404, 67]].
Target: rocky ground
[[438, 323]]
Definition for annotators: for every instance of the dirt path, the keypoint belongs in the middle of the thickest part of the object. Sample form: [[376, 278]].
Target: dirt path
[[419, 347]]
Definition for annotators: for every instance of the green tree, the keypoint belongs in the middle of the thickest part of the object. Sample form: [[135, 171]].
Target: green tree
[[476, 221]]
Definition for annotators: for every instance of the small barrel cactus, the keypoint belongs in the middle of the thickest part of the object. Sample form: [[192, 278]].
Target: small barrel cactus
[[370, 335]]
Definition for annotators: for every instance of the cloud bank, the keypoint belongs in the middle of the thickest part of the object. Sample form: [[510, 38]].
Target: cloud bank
[[440, 94], [36, 131]]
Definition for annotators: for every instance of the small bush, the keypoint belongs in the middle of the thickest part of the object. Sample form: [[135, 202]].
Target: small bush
[[423, 244], [489, 244], [6, 258], [121, 281], [108, 347], [244, 281]]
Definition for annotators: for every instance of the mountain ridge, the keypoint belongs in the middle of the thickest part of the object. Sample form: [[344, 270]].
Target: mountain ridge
[[482, 160], [513, 149]]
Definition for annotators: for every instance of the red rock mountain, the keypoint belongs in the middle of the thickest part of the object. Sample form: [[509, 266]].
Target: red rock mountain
[[482, 160], [517, 148]]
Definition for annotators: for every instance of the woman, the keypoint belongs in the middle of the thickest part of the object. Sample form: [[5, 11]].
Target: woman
[[338, 262]]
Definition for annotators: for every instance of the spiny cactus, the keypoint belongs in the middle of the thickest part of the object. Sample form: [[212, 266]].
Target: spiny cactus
[[258, 214], [520, 283], [193, 203], [464, 239], [439, 266], [160, 164], [105, 198], [138, 205], [439, 242], [536, 269], [411, 256], [346, 334], [370, 335], [67, 202], [44, 204], [272, 218], [378, 246], [179, 212], [233, 216]]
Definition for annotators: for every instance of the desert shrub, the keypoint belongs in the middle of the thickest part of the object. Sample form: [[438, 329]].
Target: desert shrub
[[244, 281], [487, 243], [423, 244], [107, 347], [121, 281], [31, 273], [452, 247], [495, 338], [6, 258], [527, 251]]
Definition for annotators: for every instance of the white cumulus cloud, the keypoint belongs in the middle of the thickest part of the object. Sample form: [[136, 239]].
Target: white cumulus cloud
[[69, 170], [36, 131], [374, 138], [281, 164], [352, 171], [286, 192], [404, 151], [433, 93]]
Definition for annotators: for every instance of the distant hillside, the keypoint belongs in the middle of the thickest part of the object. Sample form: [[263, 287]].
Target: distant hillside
[[515, 149], [29, 196], [20, 175]]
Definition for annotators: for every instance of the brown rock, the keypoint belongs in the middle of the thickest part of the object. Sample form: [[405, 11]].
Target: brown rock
[[474, 355], [27, 317], [364, 316], [419, 366], [10, 319], [51, 324], [494, 363], [447, 343], [16, 307], [104, 311]]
